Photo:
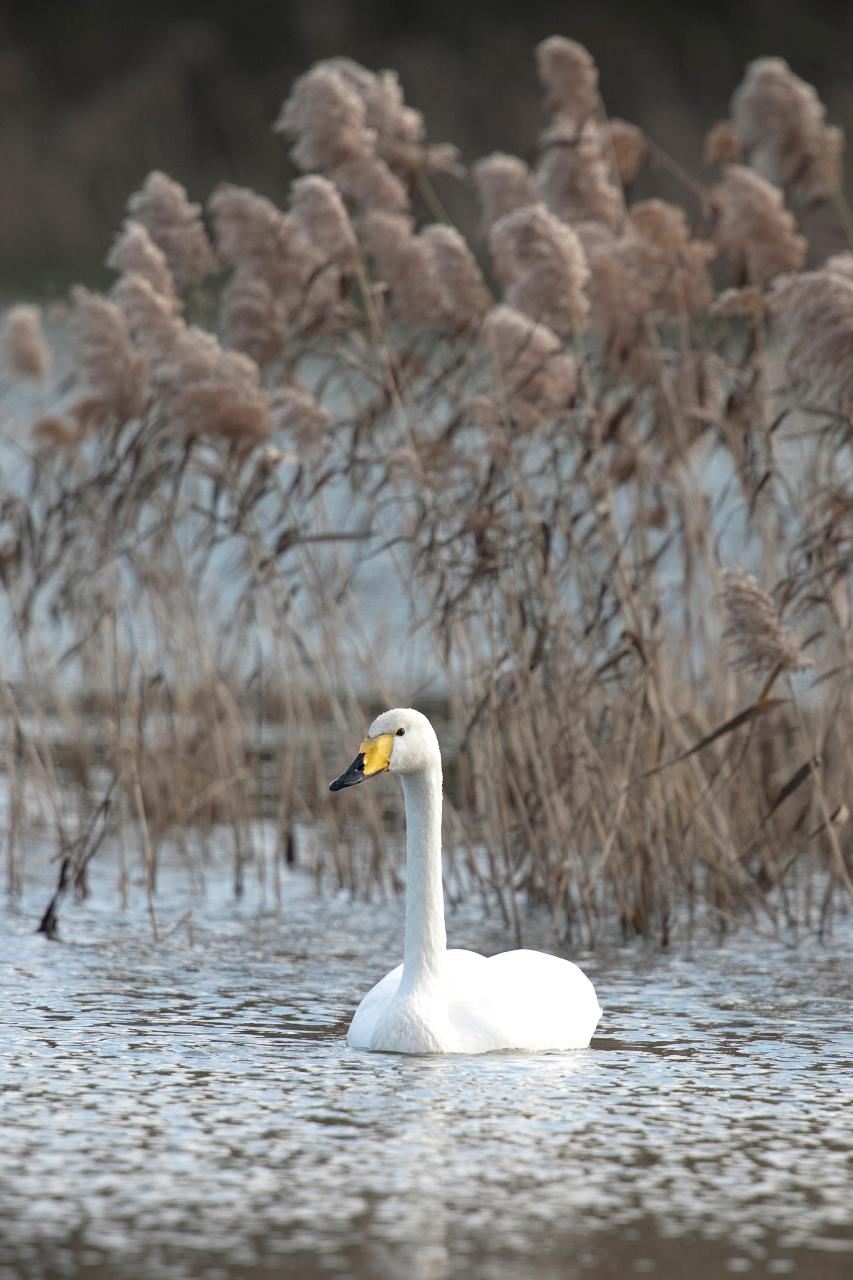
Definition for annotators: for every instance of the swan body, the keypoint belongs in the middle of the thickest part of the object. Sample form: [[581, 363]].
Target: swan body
[[440, 1001]]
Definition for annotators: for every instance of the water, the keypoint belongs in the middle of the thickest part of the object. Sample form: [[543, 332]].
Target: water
[[189, 1107]]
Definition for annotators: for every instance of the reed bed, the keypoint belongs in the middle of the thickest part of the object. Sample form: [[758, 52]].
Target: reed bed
[[595, 463]]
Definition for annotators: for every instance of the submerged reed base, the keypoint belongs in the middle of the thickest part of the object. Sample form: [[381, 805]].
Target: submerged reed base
[[554, 457]]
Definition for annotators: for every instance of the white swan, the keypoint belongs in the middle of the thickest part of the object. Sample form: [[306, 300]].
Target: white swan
[[440, 1001]]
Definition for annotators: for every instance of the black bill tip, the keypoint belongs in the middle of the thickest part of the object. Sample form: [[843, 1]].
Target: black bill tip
[[350, 776]]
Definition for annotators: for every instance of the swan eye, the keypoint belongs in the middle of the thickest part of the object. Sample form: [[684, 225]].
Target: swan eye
[[400, 733]]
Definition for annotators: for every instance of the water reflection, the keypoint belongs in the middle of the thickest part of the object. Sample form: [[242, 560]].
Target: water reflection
[[190, 1107]]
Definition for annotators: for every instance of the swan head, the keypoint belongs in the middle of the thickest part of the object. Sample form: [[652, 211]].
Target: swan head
[[399, 741]]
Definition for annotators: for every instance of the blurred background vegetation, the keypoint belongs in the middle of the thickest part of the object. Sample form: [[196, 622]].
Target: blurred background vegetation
[[94, 94]]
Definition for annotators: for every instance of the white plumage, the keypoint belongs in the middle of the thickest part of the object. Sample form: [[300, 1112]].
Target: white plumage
[[440, 1001]]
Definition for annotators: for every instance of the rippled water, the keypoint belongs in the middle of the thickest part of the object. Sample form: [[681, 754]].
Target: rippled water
[[189, 1107]]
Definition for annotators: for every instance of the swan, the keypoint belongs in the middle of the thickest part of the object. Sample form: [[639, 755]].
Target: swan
[[440, 1001]]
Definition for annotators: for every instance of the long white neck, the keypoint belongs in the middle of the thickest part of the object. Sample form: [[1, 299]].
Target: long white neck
[[426, 939]]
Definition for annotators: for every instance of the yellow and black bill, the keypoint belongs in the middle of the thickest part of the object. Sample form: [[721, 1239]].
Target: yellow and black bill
[[373, 757]]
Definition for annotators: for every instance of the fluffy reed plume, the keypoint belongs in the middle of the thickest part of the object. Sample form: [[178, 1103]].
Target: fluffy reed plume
[[404, 262], [783, 125], [815, 315], [399, 129], [368, 183], [295, 413], [135, 251], [651, 271], [542, 265], [626, 146], [194, 386], [575, 171], [753, 227], [659, 251], [108, 369], [503, 183], [254, 235], [202, 390], [537, 379], [753, 629], [250, 319], [840, 264], [574, 177], [619, 299], [25, 351], [325, 117], [258, 239], [145, 314], [465, 298], [175, 225], [723, 145], [570, 79], [317, 205]]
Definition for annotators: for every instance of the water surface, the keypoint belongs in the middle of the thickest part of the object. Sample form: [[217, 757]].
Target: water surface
[[189, 1106]]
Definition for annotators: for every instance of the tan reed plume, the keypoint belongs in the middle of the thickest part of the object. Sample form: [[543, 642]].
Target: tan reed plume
[[407, 268], [504, 183], [753, 227], [542, 265], [295, 413], [146, 314], [626, 147], [753, 629], [317, 205], [723, 145], [175, 225], [465, 298], [135, 251], [658, 249], [258, 239], [783, 126], [108, 368], [814, 312], [537, 378], [570, 79], [399, 129], [25, 350], [574, 176], [252, 233], [840, 264], [326, 119], [196, 387], [250, 319], [650, 271]]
